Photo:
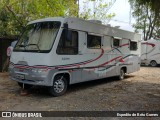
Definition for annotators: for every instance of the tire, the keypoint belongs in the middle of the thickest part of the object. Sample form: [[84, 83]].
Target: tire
[[122, 74], [153, 63], [59, 86], [26, 86]]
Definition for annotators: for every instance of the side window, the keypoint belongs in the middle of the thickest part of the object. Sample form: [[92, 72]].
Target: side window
[[133, 45], [68, 44], [93, 42], [116, 42]]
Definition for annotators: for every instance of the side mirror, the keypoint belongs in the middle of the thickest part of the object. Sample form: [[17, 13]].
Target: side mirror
[[9, 51], [65, 25], [68, 33]]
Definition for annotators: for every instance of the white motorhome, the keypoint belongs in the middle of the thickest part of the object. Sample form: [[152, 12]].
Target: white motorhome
[[57, 52], [150, 52]]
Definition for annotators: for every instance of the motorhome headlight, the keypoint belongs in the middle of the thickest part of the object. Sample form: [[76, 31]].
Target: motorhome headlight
[[39, 70]]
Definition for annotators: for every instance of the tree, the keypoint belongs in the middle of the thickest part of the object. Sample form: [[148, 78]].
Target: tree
[[147, 17], [15, 14], [98, 10], [154, 4]]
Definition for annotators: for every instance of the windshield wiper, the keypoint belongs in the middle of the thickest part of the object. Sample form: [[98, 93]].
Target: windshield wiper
[[22, 46], [34, 45]]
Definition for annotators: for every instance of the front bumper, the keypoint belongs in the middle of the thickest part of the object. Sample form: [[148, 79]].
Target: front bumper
[[27, 76]]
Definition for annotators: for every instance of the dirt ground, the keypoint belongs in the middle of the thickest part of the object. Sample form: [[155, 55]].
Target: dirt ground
[[138, 91]]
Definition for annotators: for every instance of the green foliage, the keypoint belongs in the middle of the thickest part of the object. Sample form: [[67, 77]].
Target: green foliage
[[14, 14], [154, 5], [147, 17], [99, 11]]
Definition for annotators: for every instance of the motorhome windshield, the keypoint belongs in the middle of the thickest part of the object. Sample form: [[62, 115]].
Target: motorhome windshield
[[38, 37]]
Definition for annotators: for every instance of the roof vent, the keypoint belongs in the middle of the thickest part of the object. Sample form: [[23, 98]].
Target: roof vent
[[96, 21], [117, 26]]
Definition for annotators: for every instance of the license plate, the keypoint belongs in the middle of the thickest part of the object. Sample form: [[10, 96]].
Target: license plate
[[20, 76]]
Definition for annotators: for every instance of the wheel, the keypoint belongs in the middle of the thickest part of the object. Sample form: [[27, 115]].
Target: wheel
[[153, 63], [122, 74], [59, 86], [26, 86]]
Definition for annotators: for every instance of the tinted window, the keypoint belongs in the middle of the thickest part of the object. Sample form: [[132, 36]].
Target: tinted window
[[68, 43], [133, 45], [116, 42], [93, 41]]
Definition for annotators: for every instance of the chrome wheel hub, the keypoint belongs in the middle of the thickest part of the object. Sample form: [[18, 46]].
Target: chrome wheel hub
[[59, 86]]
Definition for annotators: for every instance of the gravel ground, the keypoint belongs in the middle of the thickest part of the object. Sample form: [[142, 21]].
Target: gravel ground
[[139, 91]]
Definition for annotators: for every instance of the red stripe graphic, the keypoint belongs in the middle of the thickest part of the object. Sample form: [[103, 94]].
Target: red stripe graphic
[[57, 67], [124, 45], [78, 64], [110, 61], [72, 65], [149, 44]]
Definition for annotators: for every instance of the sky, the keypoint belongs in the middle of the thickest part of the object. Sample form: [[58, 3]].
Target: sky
[[121, 8]]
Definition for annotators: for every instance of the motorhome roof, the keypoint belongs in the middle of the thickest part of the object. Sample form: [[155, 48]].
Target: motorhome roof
[[60, 19], [47, 19], [81, 24]]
